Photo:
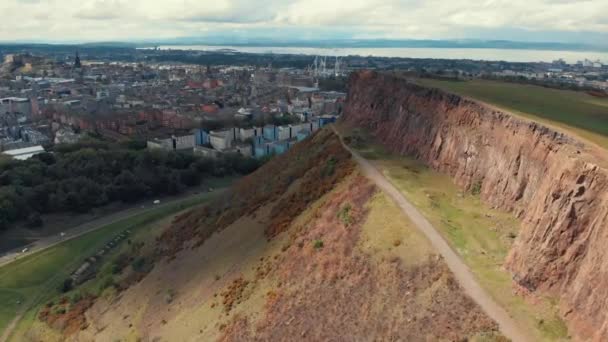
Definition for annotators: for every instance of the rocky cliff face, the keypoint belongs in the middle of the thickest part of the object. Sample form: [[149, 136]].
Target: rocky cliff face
[[545, 178]]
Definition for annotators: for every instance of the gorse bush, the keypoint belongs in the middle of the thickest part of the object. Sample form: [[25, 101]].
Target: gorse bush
[[139, 264], [344, 214], [476, 188], [330, 167], [318, 244]]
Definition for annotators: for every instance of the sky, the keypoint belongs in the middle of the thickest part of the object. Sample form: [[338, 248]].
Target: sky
[[583, 21]]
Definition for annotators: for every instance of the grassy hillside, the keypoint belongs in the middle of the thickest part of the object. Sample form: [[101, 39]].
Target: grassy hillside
[[30, 281], [303, 249], [577, 112]]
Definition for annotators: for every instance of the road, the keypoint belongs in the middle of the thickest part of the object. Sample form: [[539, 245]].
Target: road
[[48, 242], [461, 271], [90, 226]]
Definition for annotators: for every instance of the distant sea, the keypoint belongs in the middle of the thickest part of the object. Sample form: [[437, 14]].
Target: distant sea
[[509, 55]]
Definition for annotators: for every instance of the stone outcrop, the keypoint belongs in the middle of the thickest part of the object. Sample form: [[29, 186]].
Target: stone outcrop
[[547, 179]]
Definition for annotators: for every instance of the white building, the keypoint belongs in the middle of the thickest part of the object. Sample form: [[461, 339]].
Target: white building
[[221, 140], [174, 143], [283, 132], [247, 133], [15, 105], [295, 129], [206, 152], [245, 150], [24, 153], [184, 142], [66, 136], [164, 144], [102, 94]]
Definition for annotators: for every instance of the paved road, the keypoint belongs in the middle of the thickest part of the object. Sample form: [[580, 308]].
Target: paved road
[[461, 271], [90, 226]]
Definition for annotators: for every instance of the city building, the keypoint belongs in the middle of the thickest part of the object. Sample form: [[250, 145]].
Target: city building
[[24, 153]]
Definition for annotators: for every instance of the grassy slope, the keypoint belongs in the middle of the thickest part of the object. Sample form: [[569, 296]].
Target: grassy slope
[[240, 250], [576, 112], [34, 279], [144, 233], [388, 233], [281, 268], [233, 252], [482, 236]]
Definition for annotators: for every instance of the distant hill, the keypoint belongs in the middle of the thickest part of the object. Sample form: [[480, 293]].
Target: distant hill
[[383, 43], [226, 40]]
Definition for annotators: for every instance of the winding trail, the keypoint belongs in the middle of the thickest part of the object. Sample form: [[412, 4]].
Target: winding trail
[[461, 271]]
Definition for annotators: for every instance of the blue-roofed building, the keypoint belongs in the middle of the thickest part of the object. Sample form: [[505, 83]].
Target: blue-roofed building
[[202, 137], [280, 147], [326, 120], [270, 132], [262, 150], [258, 140], [259, 151], [303, 134]]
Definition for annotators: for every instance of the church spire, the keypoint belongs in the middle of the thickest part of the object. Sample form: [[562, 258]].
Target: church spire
[[77, 63]]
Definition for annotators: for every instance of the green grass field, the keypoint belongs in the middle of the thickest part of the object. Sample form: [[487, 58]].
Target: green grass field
[[577, 112], [482, 236], [28, 282]]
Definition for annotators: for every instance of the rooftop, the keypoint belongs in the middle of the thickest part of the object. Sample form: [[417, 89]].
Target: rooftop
[[24, 153]]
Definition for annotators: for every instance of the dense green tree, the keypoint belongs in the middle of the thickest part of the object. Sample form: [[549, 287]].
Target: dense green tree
[[92, 173], [190, 176], [127, 187], [34, 220]]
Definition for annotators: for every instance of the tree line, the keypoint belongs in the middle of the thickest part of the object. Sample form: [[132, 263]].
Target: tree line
[[78, 177]]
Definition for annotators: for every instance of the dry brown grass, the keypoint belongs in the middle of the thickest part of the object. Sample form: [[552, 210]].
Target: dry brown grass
[[241, 286], [313, 166], [234, 293], [65, 317], [339, 292]]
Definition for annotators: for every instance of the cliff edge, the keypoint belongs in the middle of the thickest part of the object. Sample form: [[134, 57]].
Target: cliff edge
[[546, 178]]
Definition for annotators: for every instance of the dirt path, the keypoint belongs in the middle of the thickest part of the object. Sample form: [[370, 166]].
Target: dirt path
[[461, 271]]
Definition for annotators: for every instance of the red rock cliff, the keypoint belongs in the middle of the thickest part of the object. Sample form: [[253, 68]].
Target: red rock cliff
[[545, 178]]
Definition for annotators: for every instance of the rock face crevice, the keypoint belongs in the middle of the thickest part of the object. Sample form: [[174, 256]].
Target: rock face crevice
[[547, 179]]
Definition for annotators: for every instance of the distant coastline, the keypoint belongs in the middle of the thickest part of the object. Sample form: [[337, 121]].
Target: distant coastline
[[491, 50], [487, 54], [385, 43]]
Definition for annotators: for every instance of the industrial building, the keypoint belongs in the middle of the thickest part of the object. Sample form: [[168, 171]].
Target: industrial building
[[15, 105]]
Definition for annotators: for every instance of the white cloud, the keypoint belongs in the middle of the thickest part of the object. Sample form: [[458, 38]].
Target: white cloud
[[126, 19]]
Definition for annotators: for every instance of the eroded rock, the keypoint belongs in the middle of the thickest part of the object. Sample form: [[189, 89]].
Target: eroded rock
[[551, 181]]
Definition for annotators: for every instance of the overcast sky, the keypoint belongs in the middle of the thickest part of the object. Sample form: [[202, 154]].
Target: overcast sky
[[122, 20]]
